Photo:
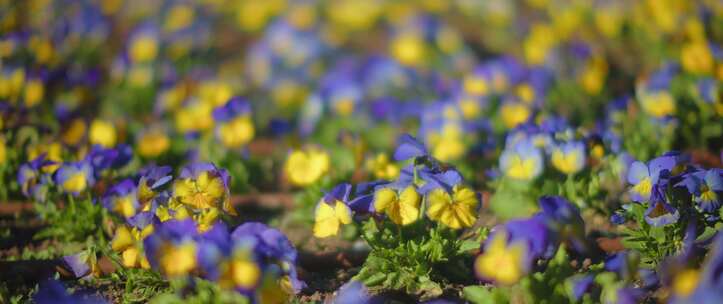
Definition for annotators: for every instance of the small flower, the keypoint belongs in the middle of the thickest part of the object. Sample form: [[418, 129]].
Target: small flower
[[522, 162], [458, 210], [569, 157], [129, 242], [102, 133], [153, 143], [402, 207], [235, 127], [203, 186], [172, 249], [501, 262], [75, 177], [151, 180], [240, 271], [122, 198], [697, 58], [382, 168], [332, 212], [305, 167], [513, 114], [706, 187], [643, 176], [33, 183], [659, 212]]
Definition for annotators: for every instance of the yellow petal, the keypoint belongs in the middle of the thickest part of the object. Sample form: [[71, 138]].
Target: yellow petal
[[383, 198]]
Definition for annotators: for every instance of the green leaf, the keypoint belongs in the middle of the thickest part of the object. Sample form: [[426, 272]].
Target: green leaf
[[468, 245]]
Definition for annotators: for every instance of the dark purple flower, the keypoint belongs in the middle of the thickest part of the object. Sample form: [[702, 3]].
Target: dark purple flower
[[53, 292]]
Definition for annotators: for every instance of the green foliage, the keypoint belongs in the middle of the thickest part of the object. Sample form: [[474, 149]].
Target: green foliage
[[513, 199], [198, 291], [415, 259], [76, 222], [653, 243]]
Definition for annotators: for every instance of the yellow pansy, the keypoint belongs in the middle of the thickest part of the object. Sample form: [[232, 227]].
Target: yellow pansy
[[686, 282], [102, 133], [382, 168], [179, 17], [697, 58], [34, 91], [305, 167], [458, 210], [657, 104], [513, 114], [240, 272], [177, 260], [501, 263], [205, 191], [143, 48], [237, 132], [153, 143], [408, 49], [74, 133], [402, 208], [329, 217]]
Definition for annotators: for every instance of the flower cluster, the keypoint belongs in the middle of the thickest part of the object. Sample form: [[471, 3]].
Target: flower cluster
[[426, 188]]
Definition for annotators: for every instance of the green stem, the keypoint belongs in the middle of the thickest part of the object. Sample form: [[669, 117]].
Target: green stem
[[71, 202]]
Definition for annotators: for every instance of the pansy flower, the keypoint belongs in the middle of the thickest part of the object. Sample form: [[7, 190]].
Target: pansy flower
[[569, 157], [382, 168], [305, 167], [102, 158], [660, 212], [523, 161], [332, 212], [203, 186], [501, 262], [234, 126], [122, 198], [172, 248], [128, 240], [643, 176], [102, 132], [152, 179], [143, 44], [240, 271], [400, 205], [273, 247], [454, 207], [706, 187], [75, 177], [33, 182], [153, 142]]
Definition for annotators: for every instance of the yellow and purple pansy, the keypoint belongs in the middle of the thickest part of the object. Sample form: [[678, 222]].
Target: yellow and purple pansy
[[75, 178], [332, 211], [234, 126], [643, 176]]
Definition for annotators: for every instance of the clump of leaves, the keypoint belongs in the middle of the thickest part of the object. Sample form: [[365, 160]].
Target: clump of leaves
[[198, 291], [410, 260], [77, 222]]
